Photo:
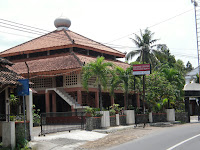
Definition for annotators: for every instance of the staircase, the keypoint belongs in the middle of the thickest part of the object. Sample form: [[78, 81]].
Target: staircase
[[66, 97]]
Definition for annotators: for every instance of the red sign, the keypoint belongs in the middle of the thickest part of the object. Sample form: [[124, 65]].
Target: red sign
[[141, 69]]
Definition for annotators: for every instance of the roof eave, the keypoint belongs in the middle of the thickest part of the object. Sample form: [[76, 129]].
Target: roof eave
[[63, 46]]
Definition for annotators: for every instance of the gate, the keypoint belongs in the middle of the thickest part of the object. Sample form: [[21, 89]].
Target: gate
[[61, 121]]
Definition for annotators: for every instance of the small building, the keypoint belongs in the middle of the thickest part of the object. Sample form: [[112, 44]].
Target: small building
[[55, 61], [8, 83], [192, 92]]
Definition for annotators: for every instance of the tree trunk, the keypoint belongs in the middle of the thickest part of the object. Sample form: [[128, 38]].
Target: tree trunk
[[100, 97], [168, 104]]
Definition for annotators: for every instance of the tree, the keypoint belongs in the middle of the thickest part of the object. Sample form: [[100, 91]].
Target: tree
[[164, 56], [100, 70], [189, 67], [176, 78], [123, 79], [158, 89], [145, 43]]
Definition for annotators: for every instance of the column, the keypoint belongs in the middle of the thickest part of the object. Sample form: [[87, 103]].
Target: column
[[54, 102], [79, 97], [47, 101], [72, 109], [112, 100], [29, 110], [7, 105], [187, 107], [138, 100], [97, 99]]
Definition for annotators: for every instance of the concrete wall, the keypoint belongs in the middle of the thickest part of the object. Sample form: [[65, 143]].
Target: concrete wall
[[182, 116]]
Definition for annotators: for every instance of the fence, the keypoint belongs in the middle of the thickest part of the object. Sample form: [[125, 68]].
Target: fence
[[61, 121], [2, 117]]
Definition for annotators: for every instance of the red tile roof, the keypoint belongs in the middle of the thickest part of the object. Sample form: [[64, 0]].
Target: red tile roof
[[4, 61], [64, 62], [8, 77], [88, 59], [60, 39], [67, 61]]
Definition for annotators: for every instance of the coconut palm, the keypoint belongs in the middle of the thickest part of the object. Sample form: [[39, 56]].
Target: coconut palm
[[145, 43], [100, 70]]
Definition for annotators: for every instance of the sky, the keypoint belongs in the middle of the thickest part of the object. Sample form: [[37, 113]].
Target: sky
[[111, 22]]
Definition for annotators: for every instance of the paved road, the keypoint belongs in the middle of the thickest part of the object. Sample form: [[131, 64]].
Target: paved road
[[185, 137]]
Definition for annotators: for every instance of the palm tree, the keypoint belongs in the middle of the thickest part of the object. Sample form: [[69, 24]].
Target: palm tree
[[175, 78], [123, 79], [145, 43], [100, 70]]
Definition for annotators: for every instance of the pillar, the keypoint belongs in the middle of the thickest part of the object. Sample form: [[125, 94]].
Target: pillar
[[97, 99], [7, 104], [29, 108], [47, 101], [79, 97], [187, 107], [138, 100], [112, 100], [8, 134], [72, 109], [54, 102]]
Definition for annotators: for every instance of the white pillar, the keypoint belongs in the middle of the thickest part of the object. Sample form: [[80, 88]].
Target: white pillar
[[29, 111], [130, 117], [150, 117], [170, 115], [117, 119], [7, 103], [105, 119], [8, 134]]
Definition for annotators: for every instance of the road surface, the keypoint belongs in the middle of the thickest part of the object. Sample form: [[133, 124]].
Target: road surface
[[185, 137]]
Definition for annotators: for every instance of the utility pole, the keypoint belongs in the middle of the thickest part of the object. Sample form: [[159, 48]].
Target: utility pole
[[197, 23], [143, 83]]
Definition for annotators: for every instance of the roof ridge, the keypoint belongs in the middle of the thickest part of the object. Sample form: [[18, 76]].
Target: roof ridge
[[68, 36], [27, 42], [79, 61], [95, 41]]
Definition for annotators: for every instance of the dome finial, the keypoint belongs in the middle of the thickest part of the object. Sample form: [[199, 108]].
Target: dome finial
[[62, 23]]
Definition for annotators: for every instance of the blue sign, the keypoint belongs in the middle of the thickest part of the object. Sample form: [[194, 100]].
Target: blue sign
[[23, 89]]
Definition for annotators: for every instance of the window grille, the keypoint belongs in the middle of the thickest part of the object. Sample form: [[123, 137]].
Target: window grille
[[72, 79], [42, 82]]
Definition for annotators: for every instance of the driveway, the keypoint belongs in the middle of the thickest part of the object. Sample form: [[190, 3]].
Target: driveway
[[63, 140]]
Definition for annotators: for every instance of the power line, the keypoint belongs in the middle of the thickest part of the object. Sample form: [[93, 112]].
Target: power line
[[151, 26], [17, 34], [24, 25], [27, 30]]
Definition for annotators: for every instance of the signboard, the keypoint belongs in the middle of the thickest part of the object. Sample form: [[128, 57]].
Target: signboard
[[23, 89], [141, 69]]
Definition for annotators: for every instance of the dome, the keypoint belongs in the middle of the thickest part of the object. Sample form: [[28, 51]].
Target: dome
[[62, 23]]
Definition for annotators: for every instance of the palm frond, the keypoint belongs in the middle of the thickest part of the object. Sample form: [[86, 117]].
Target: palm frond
[[131, 54]]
